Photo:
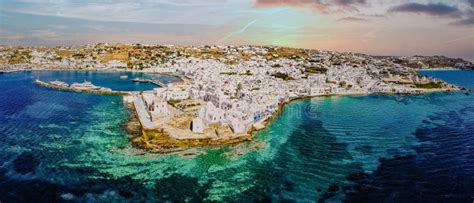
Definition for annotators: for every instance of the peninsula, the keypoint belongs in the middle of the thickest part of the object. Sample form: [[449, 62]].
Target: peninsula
[[227, 92]]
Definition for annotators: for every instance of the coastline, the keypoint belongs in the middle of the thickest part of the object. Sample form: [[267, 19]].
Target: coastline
[[73, 146], [178, 77], [69, 89], [178, 80], [158, 142], [165, 143], [439, 69]]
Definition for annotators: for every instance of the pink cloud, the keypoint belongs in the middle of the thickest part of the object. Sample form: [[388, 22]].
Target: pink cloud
[[352, 19], [318, 5]]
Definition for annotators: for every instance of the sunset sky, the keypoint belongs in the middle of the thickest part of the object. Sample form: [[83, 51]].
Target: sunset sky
[[382, 27]]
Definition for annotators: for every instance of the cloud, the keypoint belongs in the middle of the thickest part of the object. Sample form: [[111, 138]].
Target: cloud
[[464, 17], [372, 15], [352, 19], [242, 30], [318, 5], [209, 12], [470, 2], [437, 9], [466, 22]]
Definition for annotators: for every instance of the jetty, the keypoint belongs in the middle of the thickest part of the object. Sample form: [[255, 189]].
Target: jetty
[[156, 82], [73, 89], [8, 71]]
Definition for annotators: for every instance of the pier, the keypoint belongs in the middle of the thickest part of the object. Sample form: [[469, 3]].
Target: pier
[[8, 71], [156, 82], [70, 89]]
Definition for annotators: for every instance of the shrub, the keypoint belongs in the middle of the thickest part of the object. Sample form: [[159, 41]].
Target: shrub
[[315, 69]]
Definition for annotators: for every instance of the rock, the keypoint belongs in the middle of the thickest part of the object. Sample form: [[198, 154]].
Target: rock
[[333, 188], [26, 163], [67, 196]]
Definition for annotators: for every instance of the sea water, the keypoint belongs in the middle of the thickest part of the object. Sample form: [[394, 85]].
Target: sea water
[[58, 146]]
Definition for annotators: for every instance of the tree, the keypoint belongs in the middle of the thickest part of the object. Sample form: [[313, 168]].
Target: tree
[[239, 87]]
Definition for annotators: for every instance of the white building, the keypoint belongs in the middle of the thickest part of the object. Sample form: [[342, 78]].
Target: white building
[[155, 106], [237, 127], [173, 93], [116, 64], [198, 125], [211, 113]]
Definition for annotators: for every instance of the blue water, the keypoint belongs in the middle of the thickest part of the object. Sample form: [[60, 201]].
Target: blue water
[[58, 146], [104, 79]]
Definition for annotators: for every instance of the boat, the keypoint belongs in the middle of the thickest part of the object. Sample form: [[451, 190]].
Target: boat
[[105, 89], [138, 80], [87, 86], [59, 83], [124, 76]]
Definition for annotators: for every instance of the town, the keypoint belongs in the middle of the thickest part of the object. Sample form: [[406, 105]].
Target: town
[[226, 92]]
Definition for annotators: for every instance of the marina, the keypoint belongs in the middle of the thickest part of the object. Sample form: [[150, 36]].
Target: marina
[[8, 71], [86, 87], [156, 82]]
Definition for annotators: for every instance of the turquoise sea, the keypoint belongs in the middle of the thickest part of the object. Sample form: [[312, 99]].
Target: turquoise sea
[[67, 146]]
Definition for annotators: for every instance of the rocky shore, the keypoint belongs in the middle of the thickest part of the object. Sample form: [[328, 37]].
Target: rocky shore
[[158, 141]]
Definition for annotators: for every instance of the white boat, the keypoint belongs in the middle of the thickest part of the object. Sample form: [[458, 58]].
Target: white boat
[[59, 83], [124, 76], [105, 89], [85, 86], [88, 86]]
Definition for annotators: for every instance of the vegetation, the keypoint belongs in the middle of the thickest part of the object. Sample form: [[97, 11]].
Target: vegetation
[[173, 102], [315, 69], [231, 62], [247, 73], [431, 85], [228, 73], [78, 56], [18, 57], [184, 106], [283, 76], [239, 88], [285, 52]]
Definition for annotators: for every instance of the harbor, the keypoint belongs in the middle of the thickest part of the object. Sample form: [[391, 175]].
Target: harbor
[[8, 71], [86, 87], [156, 82]]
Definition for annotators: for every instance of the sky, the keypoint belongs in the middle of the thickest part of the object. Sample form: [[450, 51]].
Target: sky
[[378, 27]]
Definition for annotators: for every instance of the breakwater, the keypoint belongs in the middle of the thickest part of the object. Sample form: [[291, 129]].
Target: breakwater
[[70, 89], [156, 82]]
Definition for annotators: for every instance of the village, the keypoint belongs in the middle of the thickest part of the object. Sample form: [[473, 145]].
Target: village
[[227, 92], [221, 101]]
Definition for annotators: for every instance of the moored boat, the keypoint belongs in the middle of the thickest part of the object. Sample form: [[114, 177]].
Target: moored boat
[[88, 86], [59, 83]]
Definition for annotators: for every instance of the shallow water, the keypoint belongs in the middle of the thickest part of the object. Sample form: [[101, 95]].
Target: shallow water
[[71, 146]]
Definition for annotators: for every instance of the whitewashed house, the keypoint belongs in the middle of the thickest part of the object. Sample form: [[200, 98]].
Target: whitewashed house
[[237, 127], [155, 106], [198, 125], [172, 93], [116, 64], [211, 114]]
